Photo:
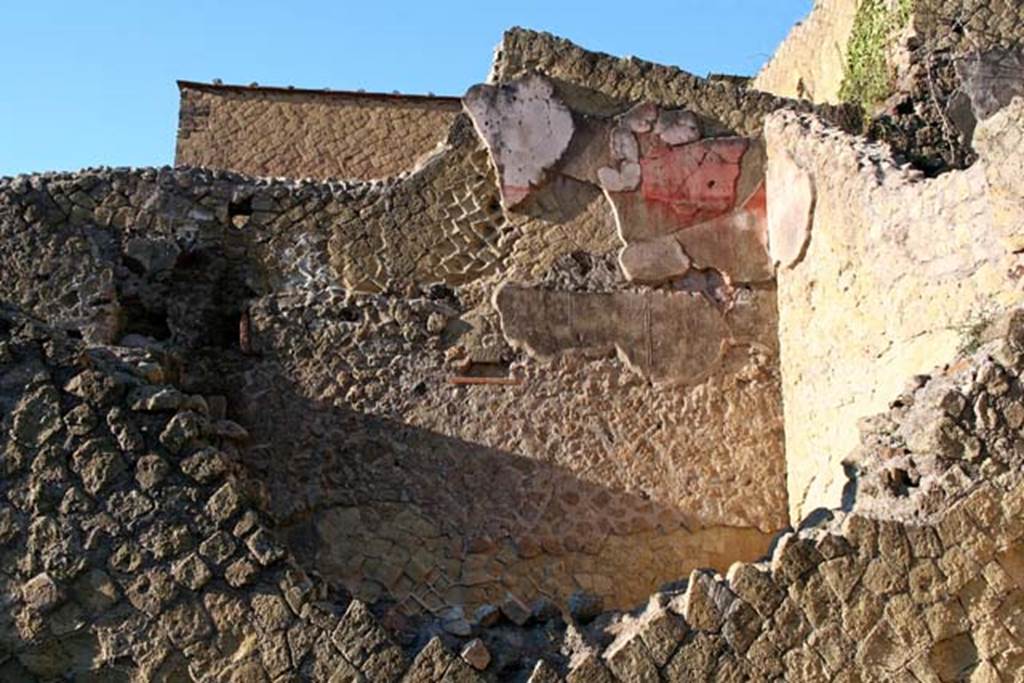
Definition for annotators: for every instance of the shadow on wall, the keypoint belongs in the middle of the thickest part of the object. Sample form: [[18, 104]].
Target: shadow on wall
[[391, 510]]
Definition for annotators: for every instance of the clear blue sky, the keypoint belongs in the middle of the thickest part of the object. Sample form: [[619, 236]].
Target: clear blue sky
[[86, 84]]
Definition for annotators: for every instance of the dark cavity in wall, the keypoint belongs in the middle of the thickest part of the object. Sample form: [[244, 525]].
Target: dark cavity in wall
[[239, 212], [137, 318]]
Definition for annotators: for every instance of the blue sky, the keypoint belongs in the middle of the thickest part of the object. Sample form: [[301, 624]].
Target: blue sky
[[87, 84]]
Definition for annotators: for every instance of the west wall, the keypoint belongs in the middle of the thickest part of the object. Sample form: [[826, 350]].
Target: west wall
[[296, 133]]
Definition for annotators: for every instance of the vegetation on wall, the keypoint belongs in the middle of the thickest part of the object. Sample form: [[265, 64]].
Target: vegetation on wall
[[868, 76]]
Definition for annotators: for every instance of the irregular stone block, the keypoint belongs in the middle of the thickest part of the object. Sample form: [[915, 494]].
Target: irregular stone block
[[264, 547], [476, 655], [653, 261], [793, 558], [191, 572], [150, 470], [435, 663], [41, 593], [630, 661], [367, 646], [706, 601], [589, 670], [37, 416], [98, 462], [696, 659], [662, 632]]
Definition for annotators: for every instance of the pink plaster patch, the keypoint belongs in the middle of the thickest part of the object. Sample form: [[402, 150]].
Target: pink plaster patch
[[734, 244], [695, 182]]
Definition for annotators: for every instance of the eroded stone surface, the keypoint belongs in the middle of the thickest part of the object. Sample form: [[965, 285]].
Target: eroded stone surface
[[674, 337], [899, 298]]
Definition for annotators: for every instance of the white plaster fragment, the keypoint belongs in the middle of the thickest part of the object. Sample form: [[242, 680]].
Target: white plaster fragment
[[526, 129], [641, 118], [625, 179], [677, 127], [790, 209], [653, 262], [623, 144]]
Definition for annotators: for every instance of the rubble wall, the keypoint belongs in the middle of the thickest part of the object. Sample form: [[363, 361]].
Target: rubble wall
[[295, 133], [969, 25], [897, 274], [811, 61]]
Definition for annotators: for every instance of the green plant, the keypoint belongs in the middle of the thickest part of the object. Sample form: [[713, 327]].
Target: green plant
[[972, 331], [868, 76]]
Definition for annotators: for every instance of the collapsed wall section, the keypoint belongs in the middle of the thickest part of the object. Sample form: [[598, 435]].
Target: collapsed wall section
[[924, 71], [613, 80], [299, 133]]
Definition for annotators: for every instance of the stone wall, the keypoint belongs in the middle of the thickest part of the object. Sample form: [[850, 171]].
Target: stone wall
[[132, 548], [350, 327], [297, 133], [811, 61], [918, 577], [930, 117], [736, 108], [969, 25], [896, 273], [919, 69]]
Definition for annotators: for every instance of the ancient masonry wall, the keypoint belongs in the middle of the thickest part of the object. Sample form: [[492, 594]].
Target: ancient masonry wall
[[895, 274], [811, 61], [379, 469], [299, 133], [735, 108], [969, 25], [937, 72], [132, 547]]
